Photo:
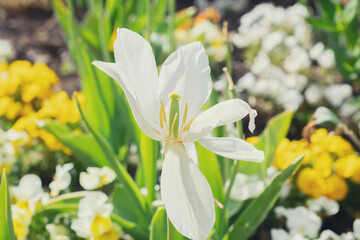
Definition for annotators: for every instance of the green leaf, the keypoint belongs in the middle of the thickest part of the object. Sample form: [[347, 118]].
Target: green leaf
[[149, 155], [131, 190], [324, 116], [158, 227], [126, 208], [276, 129], [256, 212], [209, 166], [6, 225], [349, 12], [83, 145]]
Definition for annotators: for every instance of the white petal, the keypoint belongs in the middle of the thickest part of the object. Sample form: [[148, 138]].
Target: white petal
[[82, 227], [118, 73], [233, 148], [30, 188], [94, 204], [222, 113], [187, 72], [135, 54], [89, 181], [187, 195]]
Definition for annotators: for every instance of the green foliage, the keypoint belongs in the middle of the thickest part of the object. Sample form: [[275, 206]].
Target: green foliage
[[6, 225], [256, 212], [338, 27]]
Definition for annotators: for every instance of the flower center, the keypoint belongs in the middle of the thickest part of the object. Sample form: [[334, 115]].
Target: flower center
[[173, 131]]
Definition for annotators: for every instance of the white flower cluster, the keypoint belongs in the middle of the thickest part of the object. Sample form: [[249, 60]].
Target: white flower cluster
[[304, 223], [7, 150], [7, 51], [93, 218], [285, 65]]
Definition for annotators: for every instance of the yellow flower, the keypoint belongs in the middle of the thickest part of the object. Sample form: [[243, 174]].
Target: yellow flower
[[5, 102], [252, 140], [323, 164], [287, 151], [336, 188], [311, 183], [345, 167], [27, 124], [13, 110], [356, 174]]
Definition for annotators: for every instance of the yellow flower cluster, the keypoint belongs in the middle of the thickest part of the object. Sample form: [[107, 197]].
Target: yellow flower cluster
[[27, 95], [329, 160]]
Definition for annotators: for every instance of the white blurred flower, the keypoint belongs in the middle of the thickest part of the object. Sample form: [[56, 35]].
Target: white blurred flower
[[290, 100], [32, 157], [326, 59], [246, 82], [7, 51], [96, 177], [245, 187], [316, 50], [313, 94], [300, 220], [290, 41], [62, 179], [57, 232], [297, 60], [356, 228], [336, 94], [28, 193], [281, 234], [272, 40], [21, 221], [329, 235], [93, 220], [323, 204], [296, 81], [261, 62], [347, 109]]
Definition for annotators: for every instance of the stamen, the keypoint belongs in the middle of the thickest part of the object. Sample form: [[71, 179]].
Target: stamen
[[173, 124], [161, 119], [185, 114], [162, 110], [189, 124]]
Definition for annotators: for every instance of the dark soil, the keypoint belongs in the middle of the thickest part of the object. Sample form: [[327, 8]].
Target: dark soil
[[36, 36]]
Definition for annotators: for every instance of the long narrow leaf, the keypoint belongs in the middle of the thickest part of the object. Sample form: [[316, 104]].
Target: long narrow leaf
[[123, 176], [6, 226], [256, 212]]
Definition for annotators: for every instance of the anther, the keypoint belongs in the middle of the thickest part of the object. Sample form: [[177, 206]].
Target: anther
[[185, 114]]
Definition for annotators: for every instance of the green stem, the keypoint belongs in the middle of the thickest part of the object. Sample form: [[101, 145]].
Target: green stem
[[170, 230]]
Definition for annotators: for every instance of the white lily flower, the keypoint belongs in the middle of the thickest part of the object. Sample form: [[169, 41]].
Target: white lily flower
[[62, 179], [181, 89], [28, 193], [96, 177], [93, 220]]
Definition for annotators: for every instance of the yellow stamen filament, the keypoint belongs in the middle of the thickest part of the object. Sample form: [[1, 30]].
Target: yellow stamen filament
[[173, 124], [188, 124], [185, 114], [162, 111], [161, 119]]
